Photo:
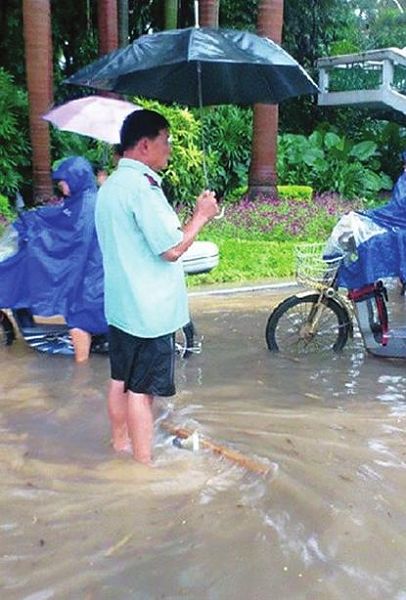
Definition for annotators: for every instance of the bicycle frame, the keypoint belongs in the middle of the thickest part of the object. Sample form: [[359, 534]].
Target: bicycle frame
[[309, 328], [367, 306]]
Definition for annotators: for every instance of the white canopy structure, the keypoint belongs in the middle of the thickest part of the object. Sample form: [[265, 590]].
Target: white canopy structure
[[375, 79]]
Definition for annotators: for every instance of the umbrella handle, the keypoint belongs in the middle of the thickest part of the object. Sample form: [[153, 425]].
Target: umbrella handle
[[200, 94], [197, 14], [221, 213]]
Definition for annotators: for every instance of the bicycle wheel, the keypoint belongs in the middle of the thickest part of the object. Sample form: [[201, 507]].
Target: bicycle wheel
[[289, 328], [7, 334], [184, 340]]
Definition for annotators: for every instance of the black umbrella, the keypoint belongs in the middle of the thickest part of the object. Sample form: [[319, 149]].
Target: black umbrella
[[200, 67]]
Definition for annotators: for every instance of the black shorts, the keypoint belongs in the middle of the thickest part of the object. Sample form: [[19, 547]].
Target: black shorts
[[146, 365]]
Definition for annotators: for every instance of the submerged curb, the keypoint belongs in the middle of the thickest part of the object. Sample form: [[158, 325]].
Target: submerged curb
[[244, 289]]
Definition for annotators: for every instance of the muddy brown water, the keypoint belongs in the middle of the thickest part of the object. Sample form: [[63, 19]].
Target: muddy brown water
[[328, 522]]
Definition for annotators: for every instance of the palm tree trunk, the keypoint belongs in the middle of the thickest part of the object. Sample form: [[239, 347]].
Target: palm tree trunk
[[107, 21], [123, 22], [171, 14], [263, 175], [38, 63], [209, 13]]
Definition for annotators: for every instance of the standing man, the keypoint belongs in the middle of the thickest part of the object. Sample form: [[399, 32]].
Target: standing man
[[141, 240]]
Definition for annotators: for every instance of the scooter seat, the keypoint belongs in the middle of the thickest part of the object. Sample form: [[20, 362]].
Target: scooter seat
[[200, 257]]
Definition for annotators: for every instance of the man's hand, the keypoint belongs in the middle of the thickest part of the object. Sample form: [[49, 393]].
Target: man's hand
[[206, 209], [206, 206]]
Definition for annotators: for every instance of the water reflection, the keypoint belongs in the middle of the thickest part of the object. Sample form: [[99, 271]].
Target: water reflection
[[328, 522]]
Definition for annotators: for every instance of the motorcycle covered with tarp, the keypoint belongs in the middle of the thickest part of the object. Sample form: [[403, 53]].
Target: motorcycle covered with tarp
[[372, 245], [51, 264]]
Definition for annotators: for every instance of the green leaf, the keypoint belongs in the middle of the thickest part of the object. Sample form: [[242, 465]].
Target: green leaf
[[373, 181], [332, 140], [363, 150], [312, 156], [386, 182]]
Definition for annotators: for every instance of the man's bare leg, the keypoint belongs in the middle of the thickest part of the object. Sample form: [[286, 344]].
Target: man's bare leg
[[141, 426], [118, 413]]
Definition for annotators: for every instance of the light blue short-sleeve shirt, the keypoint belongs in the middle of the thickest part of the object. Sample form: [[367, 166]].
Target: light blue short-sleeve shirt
[[145, 295]]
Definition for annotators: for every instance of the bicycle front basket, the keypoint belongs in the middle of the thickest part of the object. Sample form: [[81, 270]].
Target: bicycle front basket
[[311, 268]]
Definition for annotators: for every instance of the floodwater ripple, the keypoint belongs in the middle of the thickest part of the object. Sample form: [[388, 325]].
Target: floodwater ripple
[[328, 522]]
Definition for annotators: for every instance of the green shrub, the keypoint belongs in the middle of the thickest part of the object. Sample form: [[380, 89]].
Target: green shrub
[[343, 46], [236, 194], [5, 209], [328, 162], [184, 177], [301, 193], [354, 77], [14, 145], [227, 134], [65, 144]]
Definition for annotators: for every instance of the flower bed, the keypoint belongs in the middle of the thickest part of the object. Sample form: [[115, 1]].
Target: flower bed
[[274, 219]]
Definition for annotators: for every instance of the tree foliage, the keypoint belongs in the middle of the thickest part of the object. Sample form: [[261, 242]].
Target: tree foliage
[[14, 149], [379, 19], [238, 14], [11, 39], [329, 162], [183, 179], [312, 29], [227, 133]]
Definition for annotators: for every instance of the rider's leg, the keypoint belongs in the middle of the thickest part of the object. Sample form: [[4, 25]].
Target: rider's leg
[[81, 341]]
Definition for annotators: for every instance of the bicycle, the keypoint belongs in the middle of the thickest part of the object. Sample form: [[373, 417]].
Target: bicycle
[[321, 318]]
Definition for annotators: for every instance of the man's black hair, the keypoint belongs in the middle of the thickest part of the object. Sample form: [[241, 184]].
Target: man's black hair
[[140, 124]]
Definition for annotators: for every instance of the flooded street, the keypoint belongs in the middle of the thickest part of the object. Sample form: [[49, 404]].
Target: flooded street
[[328, 522]]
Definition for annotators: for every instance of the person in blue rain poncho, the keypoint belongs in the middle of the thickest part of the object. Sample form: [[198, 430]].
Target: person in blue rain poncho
[[393, 214], [57, 268], [379, 236]]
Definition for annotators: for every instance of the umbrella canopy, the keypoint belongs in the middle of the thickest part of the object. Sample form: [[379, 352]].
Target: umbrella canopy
[[200, 67], [95, 116]]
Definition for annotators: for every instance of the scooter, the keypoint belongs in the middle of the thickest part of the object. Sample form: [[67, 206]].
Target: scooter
[[52, 338]]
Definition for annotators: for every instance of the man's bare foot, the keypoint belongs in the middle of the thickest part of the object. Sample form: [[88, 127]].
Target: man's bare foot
[[147, 462], [122, 447]]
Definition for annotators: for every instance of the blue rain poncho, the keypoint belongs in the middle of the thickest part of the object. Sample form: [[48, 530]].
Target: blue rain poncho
[[54, 266], [378, 239]]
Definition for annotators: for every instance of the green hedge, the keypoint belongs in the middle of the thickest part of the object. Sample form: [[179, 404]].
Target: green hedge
[[301, 193]]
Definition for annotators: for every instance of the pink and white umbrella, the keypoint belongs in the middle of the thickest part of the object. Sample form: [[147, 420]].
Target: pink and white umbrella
[[95, 116]]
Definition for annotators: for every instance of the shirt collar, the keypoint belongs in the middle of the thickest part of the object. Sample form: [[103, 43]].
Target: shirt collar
[[140, 167]]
